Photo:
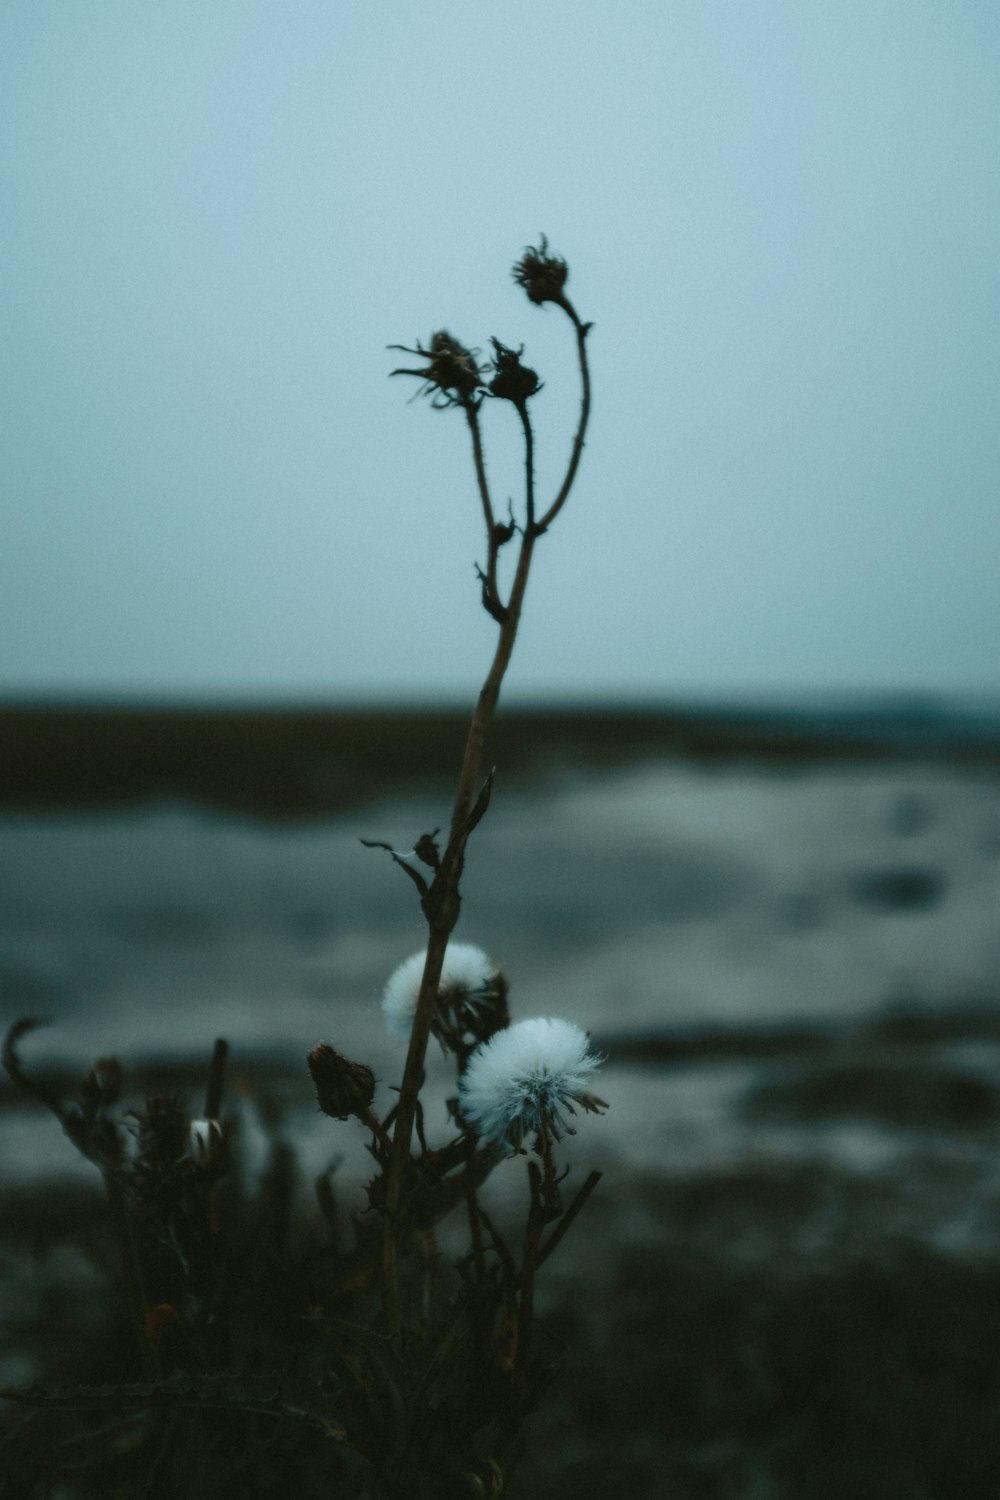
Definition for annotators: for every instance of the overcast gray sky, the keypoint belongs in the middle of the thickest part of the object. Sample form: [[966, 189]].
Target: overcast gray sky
[[783, 217]]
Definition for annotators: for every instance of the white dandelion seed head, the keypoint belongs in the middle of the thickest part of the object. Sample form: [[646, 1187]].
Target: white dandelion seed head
[[527, 1079], [467, 969], [467, 973]]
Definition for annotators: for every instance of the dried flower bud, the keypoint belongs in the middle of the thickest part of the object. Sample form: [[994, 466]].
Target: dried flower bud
[[427, 851], [542, 275], [512, 381], [451, 373], [343, 1087]]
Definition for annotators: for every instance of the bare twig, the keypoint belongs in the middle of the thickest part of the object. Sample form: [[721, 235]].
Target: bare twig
[[550, 1244]]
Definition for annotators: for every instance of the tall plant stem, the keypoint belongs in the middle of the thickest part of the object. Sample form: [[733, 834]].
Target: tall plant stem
[[441, 902], [441, 910], [544, 1208], [442, 905], [482, 484]]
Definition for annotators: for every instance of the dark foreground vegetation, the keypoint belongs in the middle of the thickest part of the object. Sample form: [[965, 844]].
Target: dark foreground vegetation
[[792, 1325]]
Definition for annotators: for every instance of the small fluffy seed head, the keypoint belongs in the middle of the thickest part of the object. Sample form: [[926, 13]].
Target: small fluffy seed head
[[526, 1080]]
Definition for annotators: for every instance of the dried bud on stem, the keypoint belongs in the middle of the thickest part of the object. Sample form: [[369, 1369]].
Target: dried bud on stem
[[542, 275], [343, 1088], [451, 373], [512, 380]]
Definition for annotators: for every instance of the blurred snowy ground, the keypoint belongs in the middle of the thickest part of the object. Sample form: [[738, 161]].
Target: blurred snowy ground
[[654, 900]]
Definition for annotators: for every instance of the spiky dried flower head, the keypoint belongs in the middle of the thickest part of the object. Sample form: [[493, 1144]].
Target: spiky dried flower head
[[471, 998], [527, 1079], [512, 381], [542, 275], [343, 1087], [452, 374]]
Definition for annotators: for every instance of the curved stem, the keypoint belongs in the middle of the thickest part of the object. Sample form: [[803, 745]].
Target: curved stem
[[577, 451], [441, 901]]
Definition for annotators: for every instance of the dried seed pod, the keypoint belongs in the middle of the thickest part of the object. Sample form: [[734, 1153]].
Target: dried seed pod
[[542, 275], [343, 1088], [451, 375], [512, 381]]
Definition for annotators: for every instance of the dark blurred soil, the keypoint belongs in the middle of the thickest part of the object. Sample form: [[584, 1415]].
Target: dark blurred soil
[[795, 1325], [864, 1376]]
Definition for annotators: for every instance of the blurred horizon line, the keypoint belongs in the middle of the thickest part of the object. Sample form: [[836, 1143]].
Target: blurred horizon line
[[905, 700], [298, 760]]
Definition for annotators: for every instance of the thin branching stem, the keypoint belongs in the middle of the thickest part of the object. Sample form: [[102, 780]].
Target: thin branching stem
[[441, 909], [413, 1075], [582, 329], [567, 1219], [529, 468], [442, 913], [441, 902], [497, 535], [544, 1208], [378, 1130]]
